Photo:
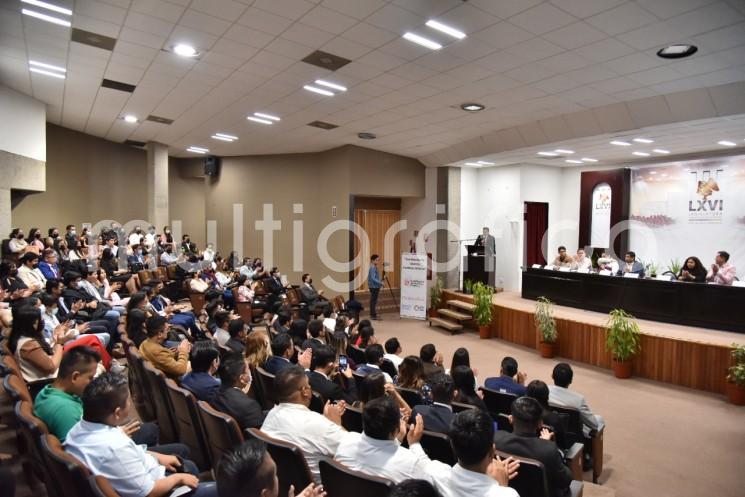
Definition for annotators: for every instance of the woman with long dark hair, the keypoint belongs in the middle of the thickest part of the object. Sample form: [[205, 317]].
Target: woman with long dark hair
[[110, 264], [464, 382], [692, 271], [36, 358], [461, 357]]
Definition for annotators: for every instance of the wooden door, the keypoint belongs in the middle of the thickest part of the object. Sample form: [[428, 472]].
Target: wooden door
[[376, 223]]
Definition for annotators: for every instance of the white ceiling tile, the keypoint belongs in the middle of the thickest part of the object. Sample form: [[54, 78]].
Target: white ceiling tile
[[264, 21], [467, 18], [649, 111], [633, 63], [503, 35], [224, 9], [535, 49], [100, 11], [307, 35], [204, 23], [555, 84], [96, 26], [406, 50], [504, 8], [692, 104], [369, 35], [199, 39], [654, 35], [575, 35], [591, 74], [248, 36], [148, 24], [542, 19], [293, 9], [470, 48], [381, 60], [413, 72], [395, 19], [565, 62], [138, 37], [724, 38], [158, 8], [359, 9], [440, 61], [714, 16], [586, 8], [622, 19], [654, 76], [328, 20], [530, 73], [503, 61], [288, 48], [607, 49], [665, 9], [615, 85]]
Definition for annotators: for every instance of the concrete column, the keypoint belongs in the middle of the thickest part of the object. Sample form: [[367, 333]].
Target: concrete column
[[6, 222], [157, 185]]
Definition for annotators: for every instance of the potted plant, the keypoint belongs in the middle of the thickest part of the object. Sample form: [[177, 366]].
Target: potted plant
[[435, 295], [482, 298], [651, 269], [546, 326], [675, 266], [467, 286], [736, 378], [622, 340]]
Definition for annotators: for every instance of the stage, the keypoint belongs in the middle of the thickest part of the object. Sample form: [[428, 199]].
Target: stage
[[682, 355]]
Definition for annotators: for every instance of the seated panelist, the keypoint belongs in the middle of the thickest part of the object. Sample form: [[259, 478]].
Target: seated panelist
[[631, 265], [563, 260], [692, 271]]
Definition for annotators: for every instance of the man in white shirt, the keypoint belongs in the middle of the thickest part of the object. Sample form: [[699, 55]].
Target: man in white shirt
[[607, 263], [168, 257], [221, 334], [98, 442], [393, 351], [136, 237], [30, 273], [560, 395], [478, 473], [378, 451], [291, 420], [721, 273], [582, 263]]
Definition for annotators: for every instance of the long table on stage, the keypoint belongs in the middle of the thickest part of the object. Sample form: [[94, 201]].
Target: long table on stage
[[692, 304]]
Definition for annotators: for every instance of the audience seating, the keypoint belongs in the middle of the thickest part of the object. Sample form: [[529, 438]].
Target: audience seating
[[68, 474], [503, 422], [138, 385], [498, 402], [437, 446], [340, 481], [412, 397], [317, 402], [388, 367], [531, 480], [266, 385], [357, 354], [16, 388], [31, 429], [351, 420], [292, 468], [593, 445], [188, 424], [100, 487], [221, 431], [460, 407], [156, 381], [358, 379]]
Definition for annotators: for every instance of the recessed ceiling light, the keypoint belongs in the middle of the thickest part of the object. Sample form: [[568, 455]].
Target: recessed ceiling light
[[564, 151], [643, 140], [329, 84], [320, 91], [473, 164], [573, 161], [620, 143], [664, 175], [588, 159], [266, 116], [259, 120], [130, 118], [727, 143], [197, 150], [548, 154], [47, 73], [185, 50], [48, 6], [641, 154], [661, 151], [472, 107], [44, 17], [47, 66], [652, 172], [677, 51], [366, 136], [420, 40], [224, 137], [446, 29], [485, 163]]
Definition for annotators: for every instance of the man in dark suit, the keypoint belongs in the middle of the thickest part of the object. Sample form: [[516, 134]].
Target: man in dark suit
[[487, 241], [525, 441], [631, 265], [431, 359], [276, 289], [325, 367], [317, 335], [510, 380], [232, 399], [282, 350], [311, 296], [438, 416]]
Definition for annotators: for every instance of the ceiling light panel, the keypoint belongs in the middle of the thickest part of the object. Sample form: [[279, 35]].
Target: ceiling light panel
[[46, 66], [320, 91], [573, 161], [444, 28], [259, 120], [197, 150], [726, 143], [643, 140], [548, 154], [266, 116], [47, 73], [48, 6], [620, 143], [45, 17], [564, 151], [421, 40], [641, 154], [661, 151], [329, 84]]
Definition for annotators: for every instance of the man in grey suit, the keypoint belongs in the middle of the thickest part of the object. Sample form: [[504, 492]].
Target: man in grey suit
[[631, 265], [487, 241], [560, 395], [311, 296]]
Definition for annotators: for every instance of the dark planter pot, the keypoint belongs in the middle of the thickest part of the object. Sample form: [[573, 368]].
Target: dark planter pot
[[547, 349], [735, 393], [433, 312], [622, 370], [484, 332]]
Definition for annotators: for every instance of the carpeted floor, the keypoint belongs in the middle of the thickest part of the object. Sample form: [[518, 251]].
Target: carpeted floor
[[660, 440]]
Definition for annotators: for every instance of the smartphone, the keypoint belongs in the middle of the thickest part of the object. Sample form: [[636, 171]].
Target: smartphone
[[343, 363]]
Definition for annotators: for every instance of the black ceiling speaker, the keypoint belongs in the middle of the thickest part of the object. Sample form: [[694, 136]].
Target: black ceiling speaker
[[211, 165]]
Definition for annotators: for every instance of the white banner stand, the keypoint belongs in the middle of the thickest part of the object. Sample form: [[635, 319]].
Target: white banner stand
[[413, 286]]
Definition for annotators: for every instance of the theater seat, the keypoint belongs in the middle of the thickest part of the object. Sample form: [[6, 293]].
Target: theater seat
[[266, 387], [498, 402], [16, 388], [437, 446], [221, 431], [292, 468], [138, 384], [412, 397], [531, 478], [188, 424], [100, 487], [69, 475], [156, 382], [340, 481], [31, 430], [575, 434], [351, 420]]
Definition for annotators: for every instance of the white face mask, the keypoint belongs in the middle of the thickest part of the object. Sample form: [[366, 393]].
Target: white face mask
[[55, 311]]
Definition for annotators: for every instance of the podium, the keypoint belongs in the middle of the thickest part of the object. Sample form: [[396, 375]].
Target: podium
[[479, 267]]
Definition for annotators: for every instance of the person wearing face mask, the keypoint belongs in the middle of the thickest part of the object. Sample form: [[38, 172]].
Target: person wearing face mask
[[185, 245], [168, 257], [149, 238], [53, 233], [314, 298], [17, 291], [135, 238], [232, 398], [136, 261], [209, 253], [30, 273], [34, 240], [174, 364], [17, 243], [165, 239], [71, 235]]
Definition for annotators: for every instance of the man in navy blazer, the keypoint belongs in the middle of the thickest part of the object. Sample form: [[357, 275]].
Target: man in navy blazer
[[282, 350], [438, 416], [631, 265], [49, 267]]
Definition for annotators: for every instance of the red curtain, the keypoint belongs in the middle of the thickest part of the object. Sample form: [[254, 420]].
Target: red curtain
[[536, 224]]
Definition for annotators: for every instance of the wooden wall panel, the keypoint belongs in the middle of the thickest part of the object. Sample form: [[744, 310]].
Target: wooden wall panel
[[376, 223], [681, 362]]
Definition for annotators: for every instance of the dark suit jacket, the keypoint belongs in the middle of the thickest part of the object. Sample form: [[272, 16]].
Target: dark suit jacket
[[436, 418], [430, 369], [331, 390], [637, 267], [246, 411], [235, 345], [275, 364], [489, 243], [529, 445]]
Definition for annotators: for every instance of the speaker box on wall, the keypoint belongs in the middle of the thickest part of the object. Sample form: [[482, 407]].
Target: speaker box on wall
[[211, 165]]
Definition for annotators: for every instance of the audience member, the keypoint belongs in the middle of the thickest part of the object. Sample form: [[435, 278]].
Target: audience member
[[205, 361], [365, 337], [312, 297], [377, 451], [461, 357], [329, 320], [37, 359], [607, 263], [98, 442], [317, 335], [30, 273], [478, 472], [464, 381], [325, 368], [173, 363], [299, 331], [374, 358], [562, 259], [530, 439], [510, 380], [393, 351], [221, 333], [317, 435], [411, 373], [282, 352], [237, 330], [722, 272], [257, 349], [250, 471], [438, 415], [431, 360], [538, 390], [48, 266], [232, 398], [560, 395]]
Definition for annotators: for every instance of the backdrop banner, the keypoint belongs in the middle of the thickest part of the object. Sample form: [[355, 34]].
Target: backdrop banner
[[414, 286]]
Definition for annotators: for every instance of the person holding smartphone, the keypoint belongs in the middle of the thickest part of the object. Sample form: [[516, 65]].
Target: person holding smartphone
[[325, 370]]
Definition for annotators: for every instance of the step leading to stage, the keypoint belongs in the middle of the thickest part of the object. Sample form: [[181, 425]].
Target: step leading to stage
[[451, 326]]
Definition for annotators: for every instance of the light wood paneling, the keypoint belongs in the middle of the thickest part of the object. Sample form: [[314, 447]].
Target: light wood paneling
[[376, 223]]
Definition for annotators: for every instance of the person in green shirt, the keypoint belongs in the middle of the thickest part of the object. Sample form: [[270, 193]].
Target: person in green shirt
[[58, 404]]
